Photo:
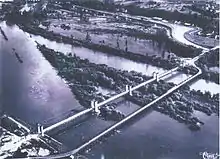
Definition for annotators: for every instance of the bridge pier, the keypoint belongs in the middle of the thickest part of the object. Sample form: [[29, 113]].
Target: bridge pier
[[94, 105], [128, 88]]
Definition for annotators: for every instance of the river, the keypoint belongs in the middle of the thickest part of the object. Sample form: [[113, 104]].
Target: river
[[156, 136], [124, 64], [32, 92]]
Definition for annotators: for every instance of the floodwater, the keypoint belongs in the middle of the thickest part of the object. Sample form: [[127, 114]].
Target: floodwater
[[156, 136], [32, 92], [125, 64]]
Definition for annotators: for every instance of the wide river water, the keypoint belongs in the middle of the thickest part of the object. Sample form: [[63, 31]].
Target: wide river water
[[32, 92]]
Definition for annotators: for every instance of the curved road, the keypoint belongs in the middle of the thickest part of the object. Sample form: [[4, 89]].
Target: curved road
[[177, 31]]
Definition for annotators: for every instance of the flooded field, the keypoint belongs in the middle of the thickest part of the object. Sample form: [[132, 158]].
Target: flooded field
[[123, 64]]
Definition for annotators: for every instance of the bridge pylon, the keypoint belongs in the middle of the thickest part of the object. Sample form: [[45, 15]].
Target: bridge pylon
[[40, 129], [155, 75], [128, 88], [94, 105]]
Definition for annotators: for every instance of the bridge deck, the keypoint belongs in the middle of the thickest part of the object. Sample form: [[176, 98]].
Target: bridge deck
[[19, 124], [77, 150]]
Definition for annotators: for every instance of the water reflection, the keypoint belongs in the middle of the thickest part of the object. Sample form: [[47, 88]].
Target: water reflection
[[32, 91], [156, 136]]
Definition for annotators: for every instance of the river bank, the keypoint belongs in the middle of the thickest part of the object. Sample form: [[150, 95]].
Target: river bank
[[200, 40], [142, 36], [13, 145], [33, 28], [132, 56]]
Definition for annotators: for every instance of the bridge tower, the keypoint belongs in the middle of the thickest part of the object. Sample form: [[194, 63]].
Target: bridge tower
[[40, 129], [155, 75], [94, 105], [128, 88]]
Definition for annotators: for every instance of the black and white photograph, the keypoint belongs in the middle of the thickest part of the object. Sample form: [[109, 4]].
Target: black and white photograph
[[109, 79]]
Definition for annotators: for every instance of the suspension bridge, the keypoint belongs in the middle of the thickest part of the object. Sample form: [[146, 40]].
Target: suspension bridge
[[95, 106]]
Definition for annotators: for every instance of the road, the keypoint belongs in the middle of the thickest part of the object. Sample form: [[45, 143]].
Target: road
[[177, 31]]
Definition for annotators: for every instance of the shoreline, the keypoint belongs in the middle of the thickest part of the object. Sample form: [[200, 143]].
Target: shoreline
[[187, 36]]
